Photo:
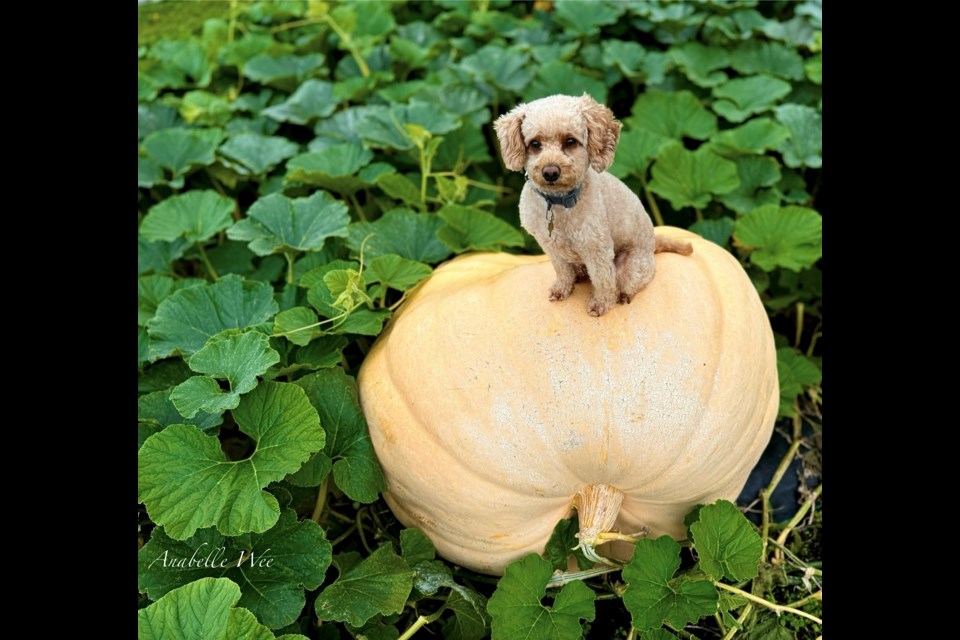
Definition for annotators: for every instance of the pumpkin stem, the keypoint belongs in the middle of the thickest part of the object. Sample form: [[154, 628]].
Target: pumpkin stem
[[597, 508]]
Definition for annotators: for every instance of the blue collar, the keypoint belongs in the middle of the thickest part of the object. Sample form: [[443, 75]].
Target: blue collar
[[567, 200]]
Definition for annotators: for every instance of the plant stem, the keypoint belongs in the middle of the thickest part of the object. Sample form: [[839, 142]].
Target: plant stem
[[321, 501], [420, 622], [799, 515], [566, 578], [356, 205], [747, 610], [233, 19], [207, 264], [813, 596], [343, 536], [363, 538], [766, 493], [699, 214], [289, 268], [799, 331], [654, 207], [778, 608]]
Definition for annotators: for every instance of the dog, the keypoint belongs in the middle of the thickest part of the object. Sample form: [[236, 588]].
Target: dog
[[586, 220]]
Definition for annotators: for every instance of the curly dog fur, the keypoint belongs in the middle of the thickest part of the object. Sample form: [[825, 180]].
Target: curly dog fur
[[564, 144]]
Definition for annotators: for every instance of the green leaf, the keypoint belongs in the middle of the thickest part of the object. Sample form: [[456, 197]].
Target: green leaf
[[585, 18], [291, 322], [518, 611], [187, 319], [187, 483], [561, 77], [202, 610], [236, 358], [795, 372], [156, 410], [470, 621], [314, 99], [158, 256], [507, 69], [276, 223], [700, 63], [391, 127], [153, 289], [266, 69], [257, 153], [637, 149], [561, 545], [154, 117], [673, 115], [653, 597], [236, 53], [755, 137], [379, 584], [772, 58], [754, 172], [691, 178], [396, 272], [187, 56], [355, 469], [806, 135], [402, 232], [181, 149], [415, 547], [470, 229], [739, 99], [727, 544], [717, 231], [788, 237], [149, 172], [203, 107], [400, 187], [272, 568], [334, 168], [813, 68], [194, 215], [627, 55]]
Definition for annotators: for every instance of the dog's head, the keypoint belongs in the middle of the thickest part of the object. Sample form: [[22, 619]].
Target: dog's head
[[555, 139]]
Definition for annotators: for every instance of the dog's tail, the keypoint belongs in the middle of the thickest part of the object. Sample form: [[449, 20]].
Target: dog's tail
[[673, 246]]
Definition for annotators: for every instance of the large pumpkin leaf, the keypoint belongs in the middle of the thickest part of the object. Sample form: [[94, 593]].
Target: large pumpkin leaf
[[278, 224], [266, 69], [179, 150], [788, 237], [188, 318], [755, 137], [402, 232], [195, 215], [237, 358], [727, 544], [702, 63], [272, 568], [395, 126], [469, 229], [517, 610], [154, 289], [187, 483], [673, 115], [313, 99], [637, 149], [257, 154], [355, 468], [396, 272], [794, 371], [755, 172], [380, 584], [691, 178], [739, 99], [767, 57], [803, 147], [202, 610], [561, 77], [334, 168], [586, 18], [507, 69], [653, 597], [156, 411]]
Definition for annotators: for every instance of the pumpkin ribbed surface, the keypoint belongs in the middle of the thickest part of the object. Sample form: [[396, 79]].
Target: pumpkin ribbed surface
[[490, 407]]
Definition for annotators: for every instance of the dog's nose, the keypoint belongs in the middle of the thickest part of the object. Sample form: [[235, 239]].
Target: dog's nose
[[551, 173]]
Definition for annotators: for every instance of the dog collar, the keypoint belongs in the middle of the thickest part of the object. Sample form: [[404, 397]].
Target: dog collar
[[567, 200]]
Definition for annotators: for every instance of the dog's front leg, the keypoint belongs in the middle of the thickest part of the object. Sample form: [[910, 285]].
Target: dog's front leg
[[603, 275], [566, 277]]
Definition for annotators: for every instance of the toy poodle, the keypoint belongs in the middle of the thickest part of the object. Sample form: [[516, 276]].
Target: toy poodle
[[586, 220]]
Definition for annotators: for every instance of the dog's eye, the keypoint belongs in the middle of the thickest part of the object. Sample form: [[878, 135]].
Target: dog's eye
[[570, 142], [535, 144]]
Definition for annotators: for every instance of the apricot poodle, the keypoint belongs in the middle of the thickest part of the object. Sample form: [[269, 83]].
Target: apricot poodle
[[586, 220]]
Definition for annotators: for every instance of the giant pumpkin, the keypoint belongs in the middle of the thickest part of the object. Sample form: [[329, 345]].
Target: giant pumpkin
[[495, 412]]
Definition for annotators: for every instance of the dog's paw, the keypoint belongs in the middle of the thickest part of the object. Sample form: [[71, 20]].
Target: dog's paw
[[559, 292], [597, 308], [624, 299]]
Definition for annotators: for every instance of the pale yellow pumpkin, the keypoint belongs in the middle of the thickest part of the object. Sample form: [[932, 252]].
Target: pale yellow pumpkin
[[490, 407]]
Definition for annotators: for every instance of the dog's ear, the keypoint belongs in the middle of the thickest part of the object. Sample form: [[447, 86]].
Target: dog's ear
[[512, 147], [603, 132]]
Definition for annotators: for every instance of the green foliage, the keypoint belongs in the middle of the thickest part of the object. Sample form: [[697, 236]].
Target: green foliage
[[303, 165]]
